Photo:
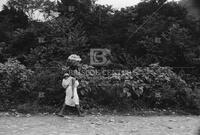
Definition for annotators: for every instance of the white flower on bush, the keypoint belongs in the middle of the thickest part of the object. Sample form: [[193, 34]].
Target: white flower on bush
[[116, 76]]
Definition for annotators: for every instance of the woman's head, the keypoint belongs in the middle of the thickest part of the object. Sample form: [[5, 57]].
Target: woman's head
[[66, 75]]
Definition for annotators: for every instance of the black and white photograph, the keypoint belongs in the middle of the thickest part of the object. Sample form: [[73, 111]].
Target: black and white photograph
[[99, 67]]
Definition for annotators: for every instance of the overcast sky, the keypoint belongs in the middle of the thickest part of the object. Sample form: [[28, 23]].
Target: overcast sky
[[2, 2], [118, 3], [114, 3]]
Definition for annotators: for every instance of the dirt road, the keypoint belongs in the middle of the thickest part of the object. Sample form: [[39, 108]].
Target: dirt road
[[99, 125]]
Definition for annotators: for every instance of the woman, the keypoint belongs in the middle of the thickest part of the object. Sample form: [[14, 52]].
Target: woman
[[70, 83]]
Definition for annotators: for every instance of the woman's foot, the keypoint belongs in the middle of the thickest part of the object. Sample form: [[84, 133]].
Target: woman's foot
[[79, 111], [60, 115], [81, 115]]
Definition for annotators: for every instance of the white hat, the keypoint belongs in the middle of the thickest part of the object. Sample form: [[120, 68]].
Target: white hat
[[74, 57]]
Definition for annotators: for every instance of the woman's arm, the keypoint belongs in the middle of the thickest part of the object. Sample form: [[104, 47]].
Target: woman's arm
[[65, 83]]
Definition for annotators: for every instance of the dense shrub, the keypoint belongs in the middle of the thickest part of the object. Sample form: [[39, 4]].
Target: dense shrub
[[15, 82], [151, 86], [194, 98], [192, 79], [159, 86], [154, 85], [48, 81]]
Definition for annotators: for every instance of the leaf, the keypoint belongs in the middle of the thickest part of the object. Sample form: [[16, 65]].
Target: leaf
[[82, 93], [128, 94]]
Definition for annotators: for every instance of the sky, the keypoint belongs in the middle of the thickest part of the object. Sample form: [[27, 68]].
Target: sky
[[2, 2], [119, 3], [115, 3]]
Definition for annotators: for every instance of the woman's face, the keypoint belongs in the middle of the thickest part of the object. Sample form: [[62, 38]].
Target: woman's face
[[66, 77], [76, 63]]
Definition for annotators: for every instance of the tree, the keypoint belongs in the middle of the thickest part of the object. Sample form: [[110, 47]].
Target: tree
[[33, 7], [11, 19], [67, 7], [193, 7], [63, 36]]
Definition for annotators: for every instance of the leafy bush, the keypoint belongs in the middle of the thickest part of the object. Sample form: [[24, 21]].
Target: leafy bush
[[193, 97], [159, 86], [48, 81], [151, 86], [156, 86], [15, 82]]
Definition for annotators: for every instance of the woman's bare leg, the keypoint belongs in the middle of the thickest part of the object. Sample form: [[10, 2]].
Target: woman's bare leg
[[79, 110], [62, 110]]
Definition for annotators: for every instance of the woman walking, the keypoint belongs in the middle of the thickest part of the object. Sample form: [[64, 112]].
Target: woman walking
[[70, 84]]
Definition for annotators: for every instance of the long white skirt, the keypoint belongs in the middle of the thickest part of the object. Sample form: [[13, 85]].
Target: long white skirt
[[68, 98]]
